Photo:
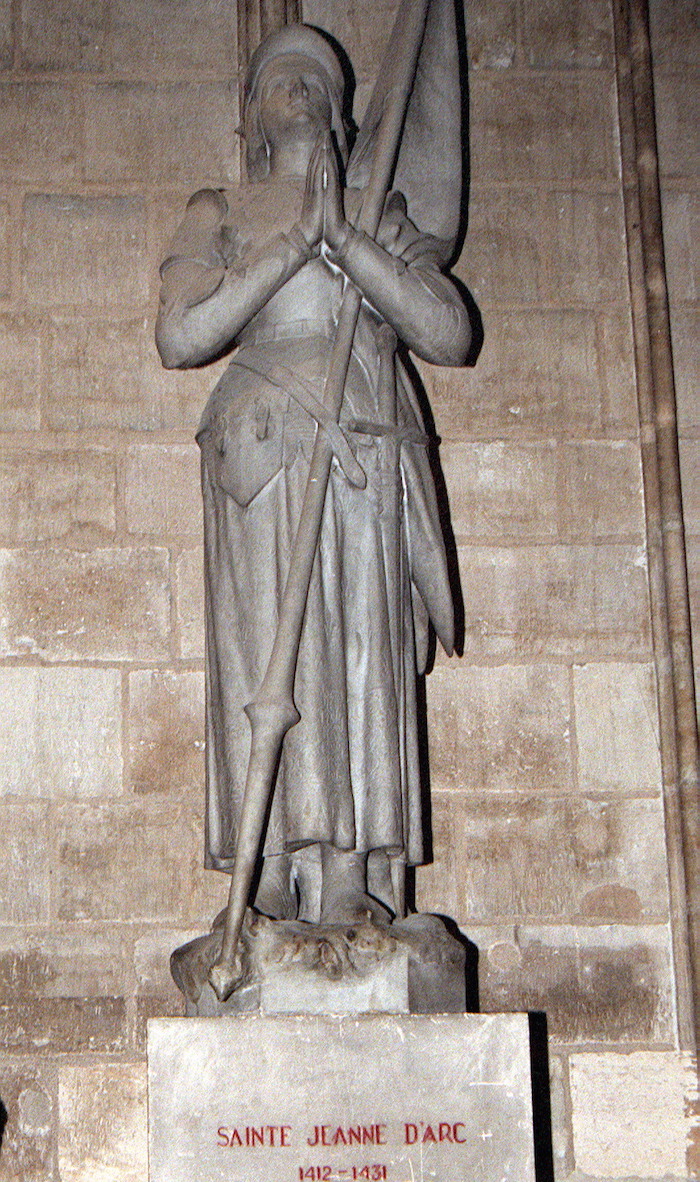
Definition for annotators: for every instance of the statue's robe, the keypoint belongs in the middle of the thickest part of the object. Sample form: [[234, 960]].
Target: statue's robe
[[349, 772]]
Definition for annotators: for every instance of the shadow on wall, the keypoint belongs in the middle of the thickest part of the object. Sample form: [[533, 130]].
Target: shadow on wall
[[539, 1059], [541, 1104]]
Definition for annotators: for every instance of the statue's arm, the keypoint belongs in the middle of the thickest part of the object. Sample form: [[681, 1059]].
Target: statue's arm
[[189, 333], [213, 282], [421, 304], [403, 283]]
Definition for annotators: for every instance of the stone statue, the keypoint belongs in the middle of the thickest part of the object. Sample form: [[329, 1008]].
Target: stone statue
[[263, 270]]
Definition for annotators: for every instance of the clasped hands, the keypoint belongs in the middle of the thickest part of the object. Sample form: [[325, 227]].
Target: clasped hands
[[322, 219]]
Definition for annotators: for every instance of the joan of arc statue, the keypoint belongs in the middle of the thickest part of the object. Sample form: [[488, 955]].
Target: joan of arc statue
[[262, 270]]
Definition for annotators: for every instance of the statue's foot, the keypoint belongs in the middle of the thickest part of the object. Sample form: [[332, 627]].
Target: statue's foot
[[348, 908], [344, 897], [275, 896]]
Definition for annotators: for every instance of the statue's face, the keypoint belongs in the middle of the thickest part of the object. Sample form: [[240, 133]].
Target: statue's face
[[294, 100]]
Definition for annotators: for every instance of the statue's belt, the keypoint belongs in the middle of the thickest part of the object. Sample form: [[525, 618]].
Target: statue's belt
[[283, 378], [287, 330]]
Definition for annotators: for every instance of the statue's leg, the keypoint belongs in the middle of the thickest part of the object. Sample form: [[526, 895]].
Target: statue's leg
[[344, 897], [398, 882], [275, 895], [386, 880], [306, 866]]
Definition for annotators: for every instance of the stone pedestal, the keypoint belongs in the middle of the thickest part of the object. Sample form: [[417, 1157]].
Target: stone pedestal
[[412, 966], [319, 1098]]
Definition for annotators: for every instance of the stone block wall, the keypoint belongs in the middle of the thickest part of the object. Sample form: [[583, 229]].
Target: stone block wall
[[110, 115], [547, 813]]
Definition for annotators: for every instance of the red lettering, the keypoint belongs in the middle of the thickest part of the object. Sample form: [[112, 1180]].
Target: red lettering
[[444, 1131], [254, 1136], [333, 1135]]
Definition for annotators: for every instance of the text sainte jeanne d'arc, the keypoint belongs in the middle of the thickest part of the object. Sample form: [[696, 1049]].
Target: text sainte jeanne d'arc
[[283, 1136]]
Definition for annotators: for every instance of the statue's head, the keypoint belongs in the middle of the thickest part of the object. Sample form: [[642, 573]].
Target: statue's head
[[301, 55]]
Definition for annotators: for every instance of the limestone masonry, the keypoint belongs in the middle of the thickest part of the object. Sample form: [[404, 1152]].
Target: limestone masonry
[[555, 846]]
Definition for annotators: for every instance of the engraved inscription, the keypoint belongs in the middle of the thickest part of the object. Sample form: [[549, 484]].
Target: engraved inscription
[[284, 1136], [352, 1135], [373, 1173], [253, 1136]]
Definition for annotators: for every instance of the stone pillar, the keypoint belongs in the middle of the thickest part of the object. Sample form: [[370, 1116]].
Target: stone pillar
[[668, 581]]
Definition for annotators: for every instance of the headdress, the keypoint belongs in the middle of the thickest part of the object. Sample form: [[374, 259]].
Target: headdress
[[298, 41]]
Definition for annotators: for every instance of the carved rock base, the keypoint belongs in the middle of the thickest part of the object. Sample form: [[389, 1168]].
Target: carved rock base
[[411, 966]]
